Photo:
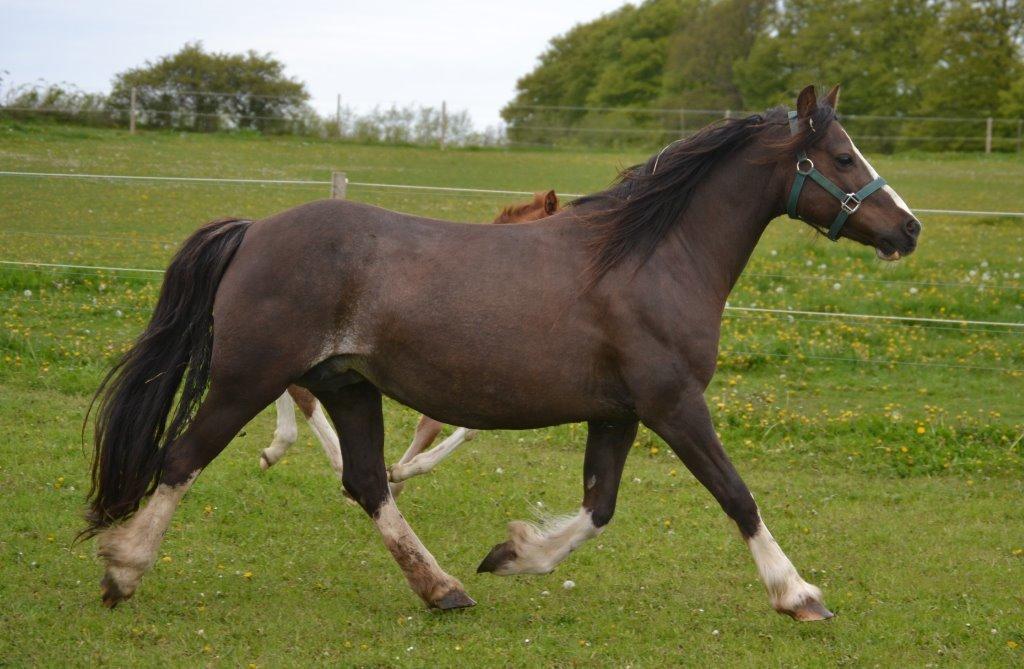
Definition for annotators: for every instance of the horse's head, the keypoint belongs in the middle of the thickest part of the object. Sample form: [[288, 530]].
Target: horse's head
[[834, 188], [543, 205]]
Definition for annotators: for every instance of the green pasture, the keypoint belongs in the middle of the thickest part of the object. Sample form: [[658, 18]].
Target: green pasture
[[887, 457]]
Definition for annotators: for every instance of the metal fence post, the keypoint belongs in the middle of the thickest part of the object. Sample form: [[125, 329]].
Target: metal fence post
[[339, 185], [131, 114], [988, 135], [444, 124]]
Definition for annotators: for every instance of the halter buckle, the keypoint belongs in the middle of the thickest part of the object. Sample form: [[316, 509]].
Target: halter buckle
[[802, 161], [851, 203]]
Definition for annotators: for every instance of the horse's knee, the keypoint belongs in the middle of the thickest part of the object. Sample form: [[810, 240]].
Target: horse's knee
[[740, 506], [602, 514], [368, 491]]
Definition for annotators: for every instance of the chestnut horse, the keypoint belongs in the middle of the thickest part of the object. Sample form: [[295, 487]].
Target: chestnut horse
[[608, 312], [411, 463]]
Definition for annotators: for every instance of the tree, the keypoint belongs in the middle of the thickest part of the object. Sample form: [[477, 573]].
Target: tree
[[711, 38], [974, 53], [868, 46], [200, 90]]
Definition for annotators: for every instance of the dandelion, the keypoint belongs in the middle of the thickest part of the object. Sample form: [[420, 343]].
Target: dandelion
[[166, 559], [247, 575]]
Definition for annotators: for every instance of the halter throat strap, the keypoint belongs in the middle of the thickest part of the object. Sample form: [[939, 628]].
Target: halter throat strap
[[848, 202]]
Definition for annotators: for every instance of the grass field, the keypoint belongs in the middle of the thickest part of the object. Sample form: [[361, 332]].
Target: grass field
[[887, 457]]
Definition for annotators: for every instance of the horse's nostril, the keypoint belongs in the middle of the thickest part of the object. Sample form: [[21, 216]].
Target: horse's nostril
[[913, 227]]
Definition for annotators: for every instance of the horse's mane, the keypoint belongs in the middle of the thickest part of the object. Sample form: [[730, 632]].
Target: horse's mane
[[635, 213]]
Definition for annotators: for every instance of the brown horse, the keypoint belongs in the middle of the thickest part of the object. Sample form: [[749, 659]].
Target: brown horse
[[608, 312], [412, 463]]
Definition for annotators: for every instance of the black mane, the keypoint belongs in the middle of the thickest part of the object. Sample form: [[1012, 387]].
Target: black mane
[[644, 203]]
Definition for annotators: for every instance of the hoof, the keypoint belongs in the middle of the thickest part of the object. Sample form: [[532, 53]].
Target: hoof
[[809, 611], [396, 489], [264, 462], [454, 599], [499, 556], [397, 473], [111, 593]]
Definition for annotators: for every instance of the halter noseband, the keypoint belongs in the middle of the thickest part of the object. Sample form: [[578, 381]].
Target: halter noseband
[[848, 202]]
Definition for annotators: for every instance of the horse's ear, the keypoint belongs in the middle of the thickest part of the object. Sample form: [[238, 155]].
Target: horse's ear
[[550, 202], [806, 102], [833, 97]]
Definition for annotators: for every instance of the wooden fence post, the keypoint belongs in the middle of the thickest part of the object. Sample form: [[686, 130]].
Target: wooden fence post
[[988, 135], [337, 115], [131, 114], [339, 185], [444, 124], [1020, 133]]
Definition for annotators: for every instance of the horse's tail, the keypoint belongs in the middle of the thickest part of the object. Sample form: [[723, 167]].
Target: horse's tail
[[137, 395]]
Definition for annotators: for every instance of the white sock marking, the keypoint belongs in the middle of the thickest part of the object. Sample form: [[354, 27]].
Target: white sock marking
[[786, 589], [539, 548], [130, 549]]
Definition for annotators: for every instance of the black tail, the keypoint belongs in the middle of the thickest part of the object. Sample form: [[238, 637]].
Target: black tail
[[138, 394]]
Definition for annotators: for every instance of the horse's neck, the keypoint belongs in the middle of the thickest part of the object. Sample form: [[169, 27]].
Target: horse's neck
[[723, 223]]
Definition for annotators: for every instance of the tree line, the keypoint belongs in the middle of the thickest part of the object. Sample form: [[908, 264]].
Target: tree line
[[951, 59], [196, 90]]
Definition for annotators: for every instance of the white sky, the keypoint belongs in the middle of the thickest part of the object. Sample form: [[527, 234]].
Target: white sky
[[467, 53]]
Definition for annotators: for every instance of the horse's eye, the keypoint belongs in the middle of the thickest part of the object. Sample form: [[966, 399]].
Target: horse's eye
[[844, 159]]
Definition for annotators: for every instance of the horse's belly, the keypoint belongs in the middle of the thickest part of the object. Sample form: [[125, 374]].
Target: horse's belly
[[483, 393]]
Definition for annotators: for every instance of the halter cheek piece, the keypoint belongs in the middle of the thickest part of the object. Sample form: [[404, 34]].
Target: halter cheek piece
[[848, 202]]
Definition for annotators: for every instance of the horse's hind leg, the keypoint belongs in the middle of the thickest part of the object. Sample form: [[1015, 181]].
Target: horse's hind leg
[[533, 549], [357, 414], [130, 549]]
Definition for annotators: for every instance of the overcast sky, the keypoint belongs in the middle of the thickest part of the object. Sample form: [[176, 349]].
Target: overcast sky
[[466, 52]]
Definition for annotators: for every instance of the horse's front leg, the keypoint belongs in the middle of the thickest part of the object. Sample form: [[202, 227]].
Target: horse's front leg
[[533, 549], [687, 428], [416, 462], [285, 434]]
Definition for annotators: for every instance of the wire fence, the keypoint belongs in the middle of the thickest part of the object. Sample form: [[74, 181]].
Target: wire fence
[[554, 125], [402, 187], [526, 125]]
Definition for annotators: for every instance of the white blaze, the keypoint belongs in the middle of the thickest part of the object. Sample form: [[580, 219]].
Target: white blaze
[[874, 175]]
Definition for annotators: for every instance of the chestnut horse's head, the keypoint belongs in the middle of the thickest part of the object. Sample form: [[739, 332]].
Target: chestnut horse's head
[[543, 205], [834, 188]]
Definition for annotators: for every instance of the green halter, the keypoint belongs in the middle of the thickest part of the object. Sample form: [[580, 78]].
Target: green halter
[[848, 202]]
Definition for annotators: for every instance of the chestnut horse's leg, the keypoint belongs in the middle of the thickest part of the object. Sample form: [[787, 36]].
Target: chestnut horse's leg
[[537, 550], [416, 462], [287, 431], [130, 548], [285, 434], [688, 429], [357, 414]]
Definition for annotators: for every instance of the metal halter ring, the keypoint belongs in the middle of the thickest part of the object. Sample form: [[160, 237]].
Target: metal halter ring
[[803, 160], [850, 204]]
